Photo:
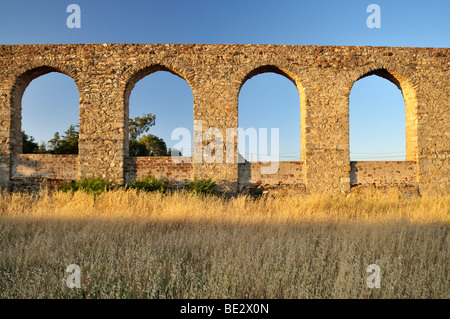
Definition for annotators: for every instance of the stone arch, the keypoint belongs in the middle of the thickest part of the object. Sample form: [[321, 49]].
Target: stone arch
[[405, 82], [132, 77], [272, 68], [290, 75], [21, 82]]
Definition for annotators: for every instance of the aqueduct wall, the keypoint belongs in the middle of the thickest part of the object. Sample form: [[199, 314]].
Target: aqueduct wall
[[324, 75]]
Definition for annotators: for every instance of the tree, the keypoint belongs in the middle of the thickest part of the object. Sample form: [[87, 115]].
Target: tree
[[151, 145], [55, 141], [67, 144], [155, 145], [42, 148], [138, 149], [140, 125], [29, 146], [174, 151], [147, 145]]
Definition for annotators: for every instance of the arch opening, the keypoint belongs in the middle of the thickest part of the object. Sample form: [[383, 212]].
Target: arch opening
[[270, 131], [382, 119], [268, 69], [44, 123], [268, 102], [165, 99], [383, 129]]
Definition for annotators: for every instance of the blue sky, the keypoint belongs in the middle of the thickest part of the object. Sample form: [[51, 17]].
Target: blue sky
[[50, 102]]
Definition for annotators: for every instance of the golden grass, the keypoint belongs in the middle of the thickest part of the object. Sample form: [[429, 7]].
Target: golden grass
[[149, 245]]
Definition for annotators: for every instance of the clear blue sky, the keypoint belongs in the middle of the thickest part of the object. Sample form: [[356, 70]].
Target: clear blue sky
[[50, 102]]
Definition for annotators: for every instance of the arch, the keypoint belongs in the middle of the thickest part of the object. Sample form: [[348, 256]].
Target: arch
[[132, 79], [271, 68], [268, 69], [134, 76], [376, 121], [409, 96], [18, 89]]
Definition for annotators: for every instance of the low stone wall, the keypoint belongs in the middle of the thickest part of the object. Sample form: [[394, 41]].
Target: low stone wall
[[164, 166], [289, 173], [36, 167], [46, 166], [383, 172]]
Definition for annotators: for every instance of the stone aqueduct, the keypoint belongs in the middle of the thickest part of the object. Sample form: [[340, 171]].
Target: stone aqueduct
[[324, 75]]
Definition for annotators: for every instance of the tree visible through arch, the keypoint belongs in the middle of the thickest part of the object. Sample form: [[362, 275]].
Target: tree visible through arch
[[45, 101], [167, 96]]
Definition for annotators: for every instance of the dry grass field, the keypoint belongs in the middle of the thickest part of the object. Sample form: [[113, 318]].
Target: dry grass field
[[150, 245]]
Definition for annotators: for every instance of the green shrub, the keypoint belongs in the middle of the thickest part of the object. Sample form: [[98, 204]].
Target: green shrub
[[150, 184], [94, 185], [256, 192], [67, 186], [202, 186]]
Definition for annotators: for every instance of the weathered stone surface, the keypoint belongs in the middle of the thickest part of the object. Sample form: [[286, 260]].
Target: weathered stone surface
[[324, 75], [47, 166], [289, 173], [383, 172], [137, 167]]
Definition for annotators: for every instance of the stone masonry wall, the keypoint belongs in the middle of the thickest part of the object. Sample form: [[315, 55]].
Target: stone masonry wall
[[383, 172], [289, 173], [47, 166], [137, 167], [105, 75]]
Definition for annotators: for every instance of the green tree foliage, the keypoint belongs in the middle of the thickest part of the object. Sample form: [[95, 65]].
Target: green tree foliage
[[155, 145], [146, 145], [140, 125], [138, 149], [42, 148], [150, 184], [93, 185], [66, 144], [29, 146], [202, 186], [174, 151]]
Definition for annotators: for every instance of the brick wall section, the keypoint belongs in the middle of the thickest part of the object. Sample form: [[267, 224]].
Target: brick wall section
[[137, 167], [47, 166], [383, 172], [289, 173], [105, 74]]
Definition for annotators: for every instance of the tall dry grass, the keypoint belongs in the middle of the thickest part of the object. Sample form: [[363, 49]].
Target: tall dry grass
[[150, 245]]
